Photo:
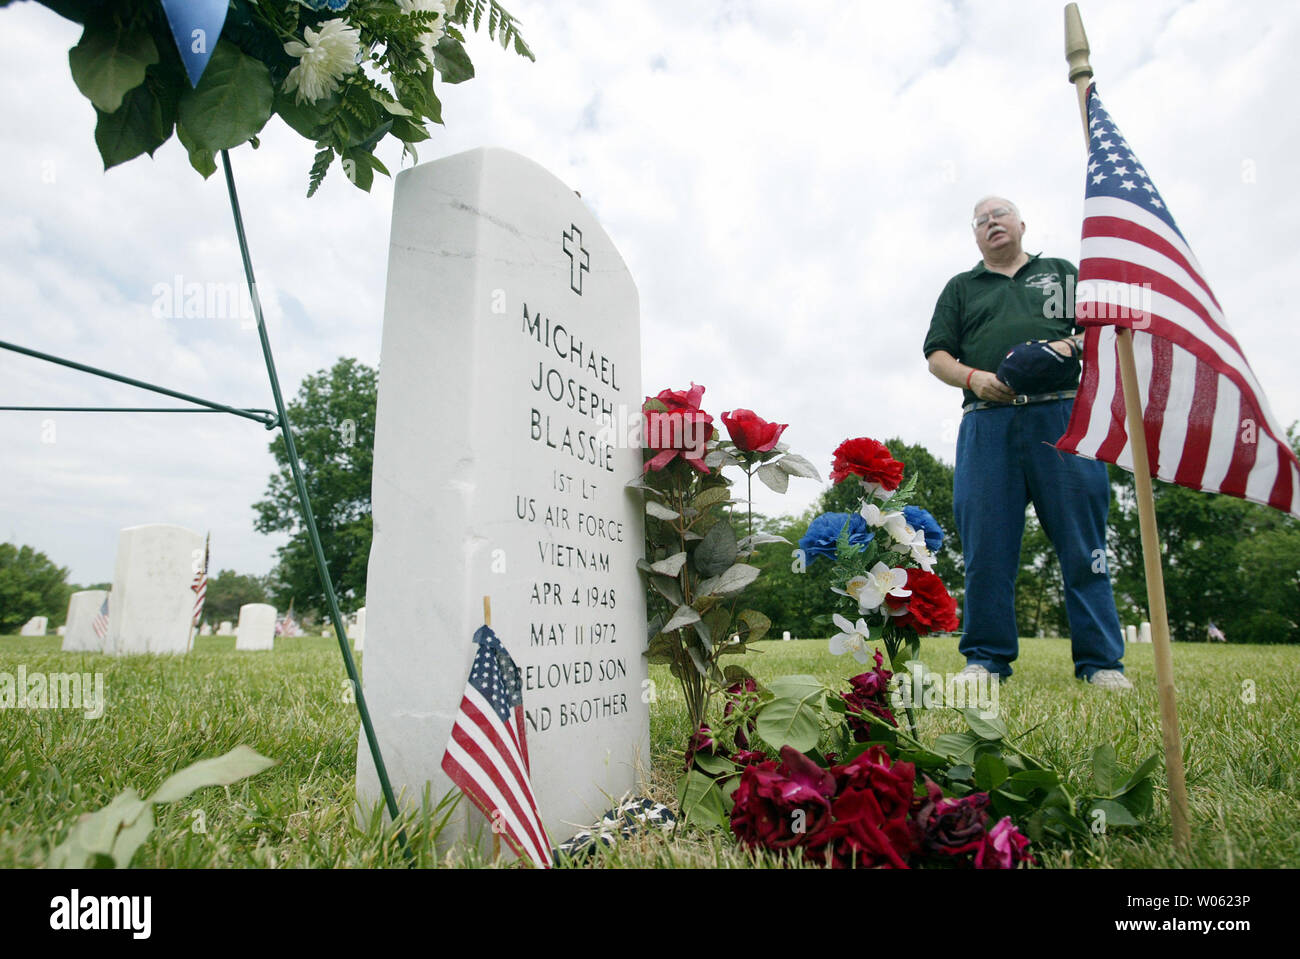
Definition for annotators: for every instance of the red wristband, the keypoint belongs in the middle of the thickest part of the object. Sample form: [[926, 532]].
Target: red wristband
[[968, 376]]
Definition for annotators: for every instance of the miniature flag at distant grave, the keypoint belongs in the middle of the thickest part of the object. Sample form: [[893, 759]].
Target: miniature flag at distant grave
[[100, 623], [487, 754], [200, 586], [287, 626], [196, 26]]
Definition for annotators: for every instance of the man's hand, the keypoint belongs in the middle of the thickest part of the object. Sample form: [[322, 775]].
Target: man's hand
[[988, 387]]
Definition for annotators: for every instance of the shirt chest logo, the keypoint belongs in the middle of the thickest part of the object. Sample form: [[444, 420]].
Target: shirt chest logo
[[1044, 282]]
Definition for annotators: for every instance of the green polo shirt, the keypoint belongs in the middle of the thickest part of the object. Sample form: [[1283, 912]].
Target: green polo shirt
[[981, 314]]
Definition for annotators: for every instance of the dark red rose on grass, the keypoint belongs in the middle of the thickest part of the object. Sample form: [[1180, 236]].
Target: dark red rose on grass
[[868, 459], [952, 826], [750, 433], [929, 609], [779, 807], [747, 757], [870, 694], [893, 783], [862, 835], [1004, 847]]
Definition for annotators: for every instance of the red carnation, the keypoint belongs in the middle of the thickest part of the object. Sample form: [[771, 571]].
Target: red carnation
[[929, 609], [750, 433], [869, 459]]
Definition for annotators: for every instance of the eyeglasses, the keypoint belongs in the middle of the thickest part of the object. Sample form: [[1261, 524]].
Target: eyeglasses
[[983, 218]]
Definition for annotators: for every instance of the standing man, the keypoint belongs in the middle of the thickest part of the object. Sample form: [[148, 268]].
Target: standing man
[[1006, 457]]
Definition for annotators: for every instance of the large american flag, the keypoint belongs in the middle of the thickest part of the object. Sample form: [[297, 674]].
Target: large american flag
[[1208, 424], [100, 623], [200, 584], [487, 753]]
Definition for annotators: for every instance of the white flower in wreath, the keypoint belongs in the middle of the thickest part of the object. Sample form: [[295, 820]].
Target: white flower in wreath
[[922, 556], [880, 581], [852, 638], [429, 39], [328, 55]]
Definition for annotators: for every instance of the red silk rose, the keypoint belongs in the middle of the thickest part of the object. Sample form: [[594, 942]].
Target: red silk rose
[[951, 827], [683, 428], [768, 797], [869, 459], [750, 433], [929, 609], [870, 695]]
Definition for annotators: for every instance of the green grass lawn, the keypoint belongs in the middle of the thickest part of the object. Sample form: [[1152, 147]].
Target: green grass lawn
[[163, 713]]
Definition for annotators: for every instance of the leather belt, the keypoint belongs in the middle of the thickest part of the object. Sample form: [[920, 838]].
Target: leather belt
[[1021, 400]]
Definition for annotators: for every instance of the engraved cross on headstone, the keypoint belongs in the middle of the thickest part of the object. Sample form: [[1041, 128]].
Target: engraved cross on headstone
[[579, 258]]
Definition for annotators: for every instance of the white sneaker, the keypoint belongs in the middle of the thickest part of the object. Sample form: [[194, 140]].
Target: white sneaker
[[974, 673], [1110, 679]]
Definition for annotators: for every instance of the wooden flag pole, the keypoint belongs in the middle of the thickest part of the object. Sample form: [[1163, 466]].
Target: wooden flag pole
[[487, 621], [1076, 53]]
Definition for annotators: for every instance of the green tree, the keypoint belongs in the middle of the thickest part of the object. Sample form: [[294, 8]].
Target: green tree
[[333, 419], [228, 590], [30, 585], [785, 593]]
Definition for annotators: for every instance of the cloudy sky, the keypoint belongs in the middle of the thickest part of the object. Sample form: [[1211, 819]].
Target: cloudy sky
[[789, 183]]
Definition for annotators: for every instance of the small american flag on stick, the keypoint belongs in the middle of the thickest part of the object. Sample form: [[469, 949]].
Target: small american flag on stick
[[487, 754], [100, 623], [200, 585]]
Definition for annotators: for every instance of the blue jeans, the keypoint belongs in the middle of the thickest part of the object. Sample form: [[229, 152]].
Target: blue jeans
[[1005, 460]]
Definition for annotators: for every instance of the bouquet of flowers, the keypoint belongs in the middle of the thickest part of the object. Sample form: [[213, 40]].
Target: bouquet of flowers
[[345, 74]]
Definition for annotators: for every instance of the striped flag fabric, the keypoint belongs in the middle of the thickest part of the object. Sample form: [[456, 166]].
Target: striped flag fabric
[[200, 585], [100, 623], [487, 752], [1208, 424]]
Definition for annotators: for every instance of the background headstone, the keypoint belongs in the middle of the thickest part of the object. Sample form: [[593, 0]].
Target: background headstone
[[511, 359], [61, 630], [357, 629], [256, 629], [205, 630], [226, 628], [153, 605], [785, 636], [1144, 633], [82, 609], [36, 626], [1131, 633]]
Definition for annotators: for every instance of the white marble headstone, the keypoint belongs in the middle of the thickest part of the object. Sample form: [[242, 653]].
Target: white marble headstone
[[511, 354], [256, 629], [1144, 633], [36, 626], [226, 628], [205, 630], [153, 605], [357, 630], [1131, 633], [83, 607]]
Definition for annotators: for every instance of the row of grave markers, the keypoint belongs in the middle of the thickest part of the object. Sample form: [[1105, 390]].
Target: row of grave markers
[[151, 606]]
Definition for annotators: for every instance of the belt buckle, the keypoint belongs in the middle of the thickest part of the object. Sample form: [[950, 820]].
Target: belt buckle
[[1020, 400]]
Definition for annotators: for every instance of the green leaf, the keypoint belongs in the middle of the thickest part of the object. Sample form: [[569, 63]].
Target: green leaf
[[717, 765], [670, 566], [1138, 798], [202, 160], [306, 119], [660, 512], [453, 63], [733, 581], [232, 101], [662, 649], [719, 621], [992, 728], [717, 551], [668, 588], [358, 170], [711, 497], [700, 802], [684, 616], [757, 623], [773, 477], [702, 631], [736, 674], [1149, 765], [136, 127], [240, 763], [1031, 779], [990, 772], [797, 466], [106, 64], [1116, 814], [961, 771], [957, 746], [793, 717], [1104, 769]]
